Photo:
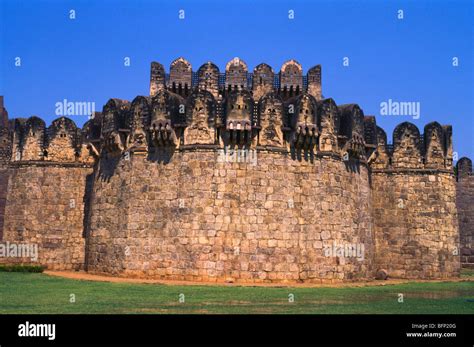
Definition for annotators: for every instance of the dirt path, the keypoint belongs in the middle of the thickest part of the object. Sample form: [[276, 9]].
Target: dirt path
[[81, 275]]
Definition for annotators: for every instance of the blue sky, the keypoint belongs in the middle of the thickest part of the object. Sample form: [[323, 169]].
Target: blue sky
[[403, 60]]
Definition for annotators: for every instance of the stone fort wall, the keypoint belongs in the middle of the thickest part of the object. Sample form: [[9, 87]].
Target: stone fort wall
[[414, 203], [153, 198], [45, 207], [44, 181], [187, 216], [465, 203]]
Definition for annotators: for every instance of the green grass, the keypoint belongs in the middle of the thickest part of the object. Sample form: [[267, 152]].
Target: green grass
[[467, 273], [40, 293]]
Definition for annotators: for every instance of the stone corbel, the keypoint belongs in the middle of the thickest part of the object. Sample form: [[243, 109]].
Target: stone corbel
[[163, 134], [305, 136], [240, 131], [355, 146]]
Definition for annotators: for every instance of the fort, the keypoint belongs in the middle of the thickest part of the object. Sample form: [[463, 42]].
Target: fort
[[141, 189]]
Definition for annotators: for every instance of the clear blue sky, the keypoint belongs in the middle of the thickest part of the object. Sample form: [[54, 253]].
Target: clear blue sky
[[402, 60]]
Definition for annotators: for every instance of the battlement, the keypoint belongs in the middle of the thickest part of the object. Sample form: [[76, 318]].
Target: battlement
[[464, 168], [289, 82], [237, 109], [411, 150], [29, 140], [142, 184]]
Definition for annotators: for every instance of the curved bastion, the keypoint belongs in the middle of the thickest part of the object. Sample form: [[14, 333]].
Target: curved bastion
[[187, 216], [237, 177]]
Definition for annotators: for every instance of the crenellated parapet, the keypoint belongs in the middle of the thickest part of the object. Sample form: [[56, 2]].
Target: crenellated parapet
[[352, 133], [464, 168], [289, 82], [5, 145], [412, 150], [216, 176], [263, 80], [115, 127], [29, 140], [167, 119], [263, 110], [180, 78], [330, 122]]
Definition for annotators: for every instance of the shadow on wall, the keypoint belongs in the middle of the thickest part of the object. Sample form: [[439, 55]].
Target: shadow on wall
[[352, 165], [107, 167], [89, 188], [161, 155], [301, 154]]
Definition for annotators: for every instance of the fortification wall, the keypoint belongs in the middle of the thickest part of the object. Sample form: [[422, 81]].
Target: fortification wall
[[187, 216], [45, 207], [4, 173], [161, 203], [414, 203], [465, 203], [415, 224]]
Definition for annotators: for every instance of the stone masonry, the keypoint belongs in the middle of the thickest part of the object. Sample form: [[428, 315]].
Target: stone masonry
[[236, 177], [465, 203]]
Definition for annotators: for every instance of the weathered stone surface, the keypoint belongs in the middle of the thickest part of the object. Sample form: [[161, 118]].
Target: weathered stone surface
[[206, 225], [236, 178], [416, 227], [465, 203], [45, 207]]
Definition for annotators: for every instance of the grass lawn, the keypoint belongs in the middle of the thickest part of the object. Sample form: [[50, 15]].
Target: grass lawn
[[40, 293]]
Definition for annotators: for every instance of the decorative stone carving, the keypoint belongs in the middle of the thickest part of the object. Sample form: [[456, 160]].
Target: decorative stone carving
[[263, 77], [329, 115], [406, 146], [208, 75], [238, 119], [352, 130], [194, 214], [236, 75], [180, 77], [166, 109], [90, 138], [291, 79], [201, 119], [380, 158], [302, 112], [62, 137], [17, 138], [448, 145], [139, 121], [314, 82], [434, 146], [33, 140], [271, 121], [157, 78], [113, 120]]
